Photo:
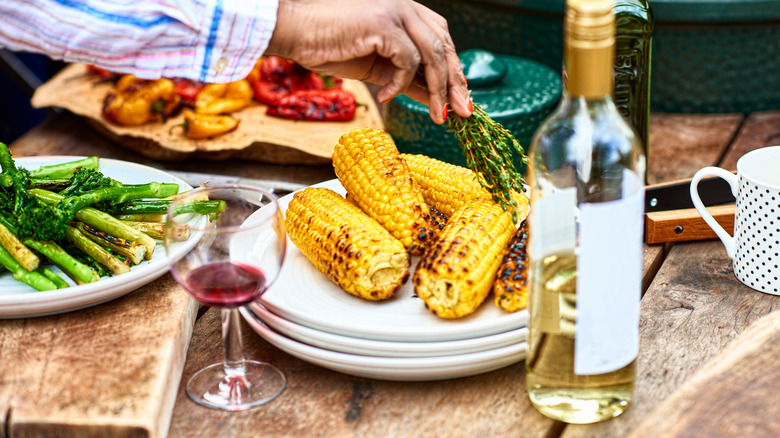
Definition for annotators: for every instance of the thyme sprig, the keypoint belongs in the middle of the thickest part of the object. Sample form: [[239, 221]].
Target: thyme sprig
[[487, 147]]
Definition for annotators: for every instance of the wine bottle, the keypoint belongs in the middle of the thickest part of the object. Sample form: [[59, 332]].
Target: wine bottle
[[586, 173], [633, 56]]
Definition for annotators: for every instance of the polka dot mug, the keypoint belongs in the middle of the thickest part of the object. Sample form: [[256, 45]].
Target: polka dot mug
[[755, 247]]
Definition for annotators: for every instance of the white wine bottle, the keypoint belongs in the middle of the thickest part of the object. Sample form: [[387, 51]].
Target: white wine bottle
[[586, 172]]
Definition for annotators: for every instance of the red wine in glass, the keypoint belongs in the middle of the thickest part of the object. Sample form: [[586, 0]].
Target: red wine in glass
[[227, 260], [226, 284]]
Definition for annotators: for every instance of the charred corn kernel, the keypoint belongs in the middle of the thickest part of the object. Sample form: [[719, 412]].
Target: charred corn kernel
[[135, 101], [447, 187], [456, 272], [377, 179], [224, 98], [351, 249], [510, 288], [199, 126]]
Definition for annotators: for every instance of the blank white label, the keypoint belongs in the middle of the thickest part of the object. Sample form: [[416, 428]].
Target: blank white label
[[609, 281]]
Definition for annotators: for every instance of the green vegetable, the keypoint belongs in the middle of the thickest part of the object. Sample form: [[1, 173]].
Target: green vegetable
[[65, 170], [487, 147]]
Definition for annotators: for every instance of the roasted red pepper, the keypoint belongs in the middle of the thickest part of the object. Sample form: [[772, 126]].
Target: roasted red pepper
[[187, 89], [333, 104], [269, 93]]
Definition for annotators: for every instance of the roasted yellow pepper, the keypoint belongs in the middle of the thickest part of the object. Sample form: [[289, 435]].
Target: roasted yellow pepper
[[224, 98], [199, 126], [136, 101]]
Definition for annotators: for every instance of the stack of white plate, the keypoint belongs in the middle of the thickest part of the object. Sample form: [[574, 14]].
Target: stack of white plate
[[309, 317]]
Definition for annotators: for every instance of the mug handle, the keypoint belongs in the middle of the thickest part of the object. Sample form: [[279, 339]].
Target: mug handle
[[728, 241]]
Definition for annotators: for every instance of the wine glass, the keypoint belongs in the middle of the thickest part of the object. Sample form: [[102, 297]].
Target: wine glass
[[227, 258]]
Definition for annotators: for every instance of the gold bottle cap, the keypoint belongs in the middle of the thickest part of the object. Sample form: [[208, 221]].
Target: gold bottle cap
[[589, 47]]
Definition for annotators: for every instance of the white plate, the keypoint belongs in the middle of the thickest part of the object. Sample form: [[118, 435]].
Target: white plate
[[20, 300], [368, 347], [393, 368], [304, 295]]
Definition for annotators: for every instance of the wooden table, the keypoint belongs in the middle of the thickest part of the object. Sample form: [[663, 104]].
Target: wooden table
[[694, 377]]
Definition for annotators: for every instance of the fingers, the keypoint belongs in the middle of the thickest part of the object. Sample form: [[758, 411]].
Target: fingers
[[456, 91]]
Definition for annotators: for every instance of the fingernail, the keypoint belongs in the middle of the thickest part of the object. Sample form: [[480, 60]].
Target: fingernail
[[471, 106], [464, 78], [444, 114]]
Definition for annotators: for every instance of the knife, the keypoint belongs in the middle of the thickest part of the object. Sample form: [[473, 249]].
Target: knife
[[671, 216], [195, 179]]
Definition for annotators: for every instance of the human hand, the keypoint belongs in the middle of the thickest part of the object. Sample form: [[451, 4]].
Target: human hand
[[382, 42]]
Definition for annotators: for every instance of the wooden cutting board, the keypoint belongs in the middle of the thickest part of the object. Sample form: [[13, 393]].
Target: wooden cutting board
[[735, 394], [106, 371], [259, 137]]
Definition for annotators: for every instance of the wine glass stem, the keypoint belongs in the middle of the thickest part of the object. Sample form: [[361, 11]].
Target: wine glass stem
[[232, 344]]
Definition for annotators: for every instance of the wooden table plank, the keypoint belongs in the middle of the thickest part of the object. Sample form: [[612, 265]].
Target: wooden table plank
[[322, 403], [734, 394], [108, 370], [681, 144], [759, 130], [693, 308]]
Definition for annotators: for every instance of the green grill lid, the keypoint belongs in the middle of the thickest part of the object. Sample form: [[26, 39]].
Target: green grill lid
[[516, 92]]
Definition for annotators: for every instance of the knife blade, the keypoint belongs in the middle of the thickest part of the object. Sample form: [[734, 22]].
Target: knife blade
[[676, 195], [195, 179]]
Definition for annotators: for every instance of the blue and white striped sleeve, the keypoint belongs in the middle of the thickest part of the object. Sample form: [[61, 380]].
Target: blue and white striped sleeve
[[207, 40]]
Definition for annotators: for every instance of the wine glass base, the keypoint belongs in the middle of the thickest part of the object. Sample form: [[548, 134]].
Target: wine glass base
[[258, 384]]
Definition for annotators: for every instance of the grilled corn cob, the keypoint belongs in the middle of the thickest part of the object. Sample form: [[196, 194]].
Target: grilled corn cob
[[350, 248], [444, 186], [370, 168], [456, 272], [447, 187], [511, 286]]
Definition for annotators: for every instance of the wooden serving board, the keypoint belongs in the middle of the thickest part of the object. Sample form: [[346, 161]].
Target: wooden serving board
[[259, 137], [734, 394], [106, 371]]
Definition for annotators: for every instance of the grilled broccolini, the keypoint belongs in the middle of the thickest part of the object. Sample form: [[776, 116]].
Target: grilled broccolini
[[350, 248]]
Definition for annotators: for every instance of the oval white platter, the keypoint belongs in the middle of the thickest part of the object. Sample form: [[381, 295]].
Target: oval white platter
[[368, 347], [393, 368], [304, 295], [20, 300]]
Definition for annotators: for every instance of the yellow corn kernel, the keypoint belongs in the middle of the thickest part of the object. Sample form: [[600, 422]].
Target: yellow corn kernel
[[447, 187], [444, 186], [370, 168], [510, 288], [351, 249], [456, 271]]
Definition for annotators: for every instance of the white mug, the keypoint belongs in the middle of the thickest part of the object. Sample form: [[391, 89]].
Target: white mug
[[755, 246]]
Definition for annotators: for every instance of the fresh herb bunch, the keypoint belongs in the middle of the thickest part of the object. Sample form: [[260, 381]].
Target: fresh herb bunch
[[487, 146]]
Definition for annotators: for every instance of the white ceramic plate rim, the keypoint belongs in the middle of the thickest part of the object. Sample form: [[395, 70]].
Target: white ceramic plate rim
[[19, 300], [393, 368], [368, 347], [305, 296]]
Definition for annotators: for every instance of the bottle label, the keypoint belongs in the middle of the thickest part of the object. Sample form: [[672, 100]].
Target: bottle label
[[609, 282], [553, 230]]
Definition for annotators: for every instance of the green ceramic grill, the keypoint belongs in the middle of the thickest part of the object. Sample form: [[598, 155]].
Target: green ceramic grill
[[516, 92]]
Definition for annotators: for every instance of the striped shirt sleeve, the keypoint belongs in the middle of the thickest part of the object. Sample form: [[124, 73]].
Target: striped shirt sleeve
[[207, 40]]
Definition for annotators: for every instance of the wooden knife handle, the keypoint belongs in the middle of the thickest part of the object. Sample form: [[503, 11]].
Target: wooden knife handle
[[686, 224]]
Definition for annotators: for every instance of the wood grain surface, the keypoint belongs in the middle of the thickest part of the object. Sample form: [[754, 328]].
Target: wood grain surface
[[108, 370], [686, 224], [322, 403], [745, 374], [681, 144]]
